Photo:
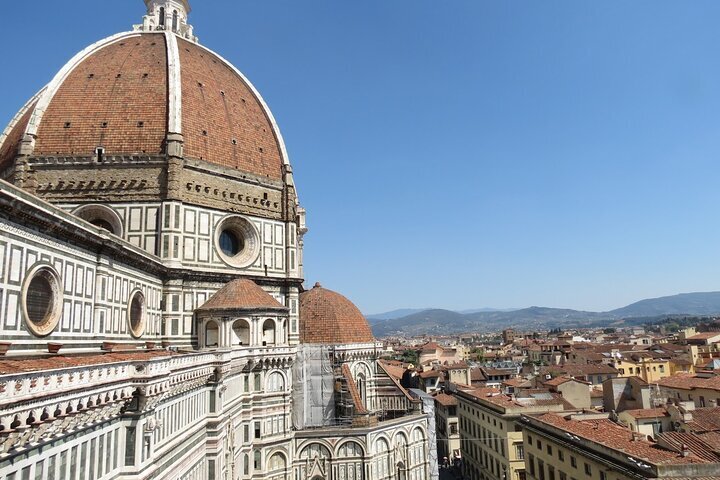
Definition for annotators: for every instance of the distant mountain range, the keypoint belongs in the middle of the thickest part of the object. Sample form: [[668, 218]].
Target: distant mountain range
[[438, 321]]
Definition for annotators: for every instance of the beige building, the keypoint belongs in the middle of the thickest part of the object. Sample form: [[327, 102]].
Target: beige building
[[491, 437], [434, 353], [702, 391], [647, 421], [567, 447], [446, 425]]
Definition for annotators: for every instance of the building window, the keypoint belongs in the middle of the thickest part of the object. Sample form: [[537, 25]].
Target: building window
[[102, 217], [588, 469], [531, 464], [549, 449], [136, 314], [42, 299], [603, 476], [561, 456], [551, 472], [237, 241], [230, 243], [573, 461], [519, 451]]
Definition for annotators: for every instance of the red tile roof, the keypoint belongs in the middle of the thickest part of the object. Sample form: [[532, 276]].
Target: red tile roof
[[689, 381], [705, 420], [12, 366], [352, 388], [648, 413], [678, 441], [611, 435], [241, 294], [446, 400]]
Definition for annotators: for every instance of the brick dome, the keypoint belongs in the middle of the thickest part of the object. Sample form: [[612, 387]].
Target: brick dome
[[129, 92], [328, 318]]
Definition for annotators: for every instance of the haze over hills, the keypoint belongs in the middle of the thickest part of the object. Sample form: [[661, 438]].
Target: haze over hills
[[440, 321]]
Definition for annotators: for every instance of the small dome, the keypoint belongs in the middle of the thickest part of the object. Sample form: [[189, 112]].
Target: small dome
[[242, 294], [326, 317]]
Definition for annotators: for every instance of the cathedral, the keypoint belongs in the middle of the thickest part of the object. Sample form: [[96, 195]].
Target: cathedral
[[154, 323]]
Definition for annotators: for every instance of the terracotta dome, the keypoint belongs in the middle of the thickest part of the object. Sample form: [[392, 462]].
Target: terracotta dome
[[242, 294], [129, 92], [328, 318]]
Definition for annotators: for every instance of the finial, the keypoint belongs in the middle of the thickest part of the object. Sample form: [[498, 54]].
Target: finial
[[317, 285], [168, 15]]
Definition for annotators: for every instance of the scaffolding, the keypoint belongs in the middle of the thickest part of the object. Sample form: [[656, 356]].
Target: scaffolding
[[313, 387]]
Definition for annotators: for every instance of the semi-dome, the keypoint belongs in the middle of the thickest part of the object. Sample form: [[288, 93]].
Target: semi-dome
[[328, 318], [129, 93]]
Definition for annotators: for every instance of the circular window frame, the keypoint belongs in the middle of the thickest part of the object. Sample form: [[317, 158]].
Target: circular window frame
[[246, 231], [138, 331], [53, 317], [96, 211]]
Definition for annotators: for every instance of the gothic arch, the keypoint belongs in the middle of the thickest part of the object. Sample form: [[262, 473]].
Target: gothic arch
[[345, 443]]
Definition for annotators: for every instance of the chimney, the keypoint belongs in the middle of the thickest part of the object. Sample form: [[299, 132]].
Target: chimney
[[685, 451]]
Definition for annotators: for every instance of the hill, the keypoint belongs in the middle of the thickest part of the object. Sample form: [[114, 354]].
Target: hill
[[698, 303], [439, 321]]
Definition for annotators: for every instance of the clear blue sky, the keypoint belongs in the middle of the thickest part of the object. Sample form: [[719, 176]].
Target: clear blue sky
[[470, 153]]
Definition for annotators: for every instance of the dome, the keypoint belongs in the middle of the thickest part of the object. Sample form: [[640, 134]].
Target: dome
[[129, 93], [242, 294], [328, 318]]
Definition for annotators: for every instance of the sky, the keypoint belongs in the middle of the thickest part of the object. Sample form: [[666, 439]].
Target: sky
[[465, 153]]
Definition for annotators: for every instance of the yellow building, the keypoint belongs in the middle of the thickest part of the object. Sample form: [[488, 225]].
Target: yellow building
[[490, 437], [645, 365]]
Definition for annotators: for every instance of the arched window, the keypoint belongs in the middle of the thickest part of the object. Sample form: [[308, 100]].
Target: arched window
[[276, 462], [350, 449], [175, 21], [241, 332], [418, 446], [162, 16], [268, 330], [401, 471], [361, 386], [211, 334], [315, 450], [383, 466], [274, 382], [101, 216]]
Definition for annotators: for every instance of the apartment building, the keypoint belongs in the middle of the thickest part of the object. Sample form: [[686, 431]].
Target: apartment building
[[491, 437]]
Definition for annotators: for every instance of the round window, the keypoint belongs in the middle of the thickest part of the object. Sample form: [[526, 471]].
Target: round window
[[237, 241], [136, 314], [42, 299], [230, 243]]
